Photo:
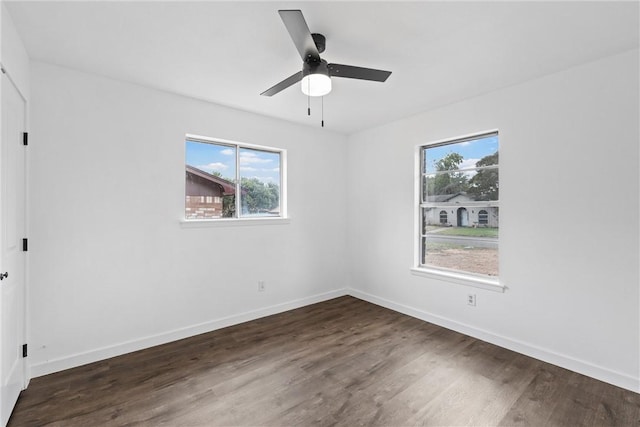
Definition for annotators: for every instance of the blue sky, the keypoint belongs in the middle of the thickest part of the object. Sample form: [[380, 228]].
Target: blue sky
[[471, 151], [263, 165]]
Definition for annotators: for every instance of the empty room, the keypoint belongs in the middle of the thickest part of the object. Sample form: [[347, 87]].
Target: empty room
[[320, 213]]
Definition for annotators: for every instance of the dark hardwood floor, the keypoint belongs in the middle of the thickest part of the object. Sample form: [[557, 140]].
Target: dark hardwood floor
[[341, 362]]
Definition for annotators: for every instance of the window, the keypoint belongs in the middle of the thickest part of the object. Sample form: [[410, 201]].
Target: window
[[483, 217], [460, 178], [443, 217], [232, 180]]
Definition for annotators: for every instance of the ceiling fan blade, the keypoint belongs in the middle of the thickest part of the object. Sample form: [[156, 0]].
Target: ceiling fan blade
[[283, 84], [351, 72], [300, 34]]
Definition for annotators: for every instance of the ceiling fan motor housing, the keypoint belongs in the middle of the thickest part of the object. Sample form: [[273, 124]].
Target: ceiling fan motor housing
[[320, 41], [315, 68]]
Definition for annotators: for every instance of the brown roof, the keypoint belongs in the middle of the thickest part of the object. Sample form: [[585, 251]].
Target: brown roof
[[228, 187]]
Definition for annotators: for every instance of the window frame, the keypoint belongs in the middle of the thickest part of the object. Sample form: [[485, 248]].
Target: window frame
[[432, 272], [282, 218]]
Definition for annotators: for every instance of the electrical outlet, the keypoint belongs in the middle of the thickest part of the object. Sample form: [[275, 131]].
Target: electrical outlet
[[471, 300], [261, 286]]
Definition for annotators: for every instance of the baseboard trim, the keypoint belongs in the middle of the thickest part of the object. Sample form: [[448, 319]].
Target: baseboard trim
[[79, 359], [603, 374], [580, 366]]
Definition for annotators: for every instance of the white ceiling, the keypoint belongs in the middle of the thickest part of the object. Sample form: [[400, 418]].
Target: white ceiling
[[229, 52]]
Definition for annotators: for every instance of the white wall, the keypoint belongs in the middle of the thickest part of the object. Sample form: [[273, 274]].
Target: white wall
[[569, 142], [14, 56], [106, 278], [112, 270]]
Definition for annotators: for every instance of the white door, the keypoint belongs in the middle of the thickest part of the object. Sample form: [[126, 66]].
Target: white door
[[12, 257]]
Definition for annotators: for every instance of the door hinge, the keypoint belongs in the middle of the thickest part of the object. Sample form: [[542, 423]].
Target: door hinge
[[25, 138], [24, 350], [25, 245]]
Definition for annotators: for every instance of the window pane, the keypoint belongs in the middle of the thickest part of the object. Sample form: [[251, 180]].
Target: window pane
[[459, 187], [434, 217], [470, 249], [463, 254], [444, 187], [210, 180], [472, 153], [259, 182], [484, 184]]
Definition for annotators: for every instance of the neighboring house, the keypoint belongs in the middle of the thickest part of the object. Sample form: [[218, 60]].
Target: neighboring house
[[204, 194], [460, 210]]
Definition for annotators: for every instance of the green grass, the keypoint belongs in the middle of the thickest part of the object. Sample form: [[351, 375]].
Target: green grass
[[470, 232]]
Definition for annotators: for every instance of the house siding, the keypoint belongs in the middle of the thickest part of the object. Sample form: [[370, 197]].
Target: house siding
[[203, 200]]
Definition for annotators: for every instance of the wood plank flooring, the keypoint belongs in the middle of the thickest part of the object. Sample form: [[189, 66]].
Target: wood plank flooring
[[341, 362]]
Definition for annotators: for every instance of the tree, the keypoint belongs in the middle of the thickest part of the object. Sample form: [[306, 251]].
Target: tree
[[229, 206], [485, 184], [449, 162], [258, 196], [228, 201], [451, 182]]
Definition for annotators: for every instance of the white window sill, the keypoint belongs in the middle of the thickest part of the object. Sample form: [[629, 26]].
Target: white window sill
[[459, 278], [232, 222]]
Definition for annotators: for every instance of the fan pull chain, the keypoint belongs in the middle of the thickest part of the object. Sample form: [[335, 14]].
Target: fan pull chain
[[309, 98], [322, 112]]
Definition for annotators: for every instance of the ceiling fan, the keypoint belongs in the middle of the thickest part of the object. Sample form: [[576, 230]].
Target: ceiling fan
[[316, 73]]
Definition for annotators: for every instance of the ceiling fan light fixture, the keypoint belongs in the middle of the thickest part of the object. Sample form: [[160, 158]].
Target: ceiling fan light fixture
[[318, 84]]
